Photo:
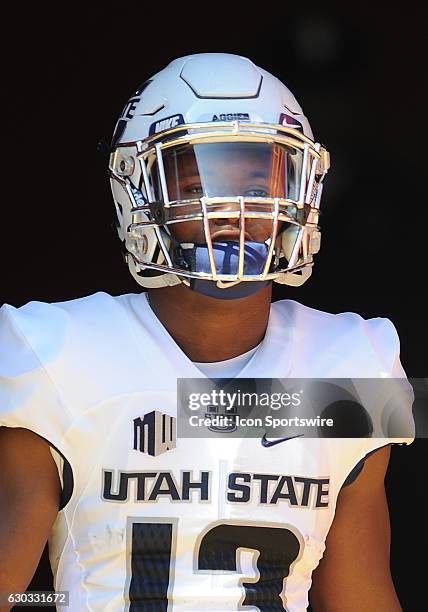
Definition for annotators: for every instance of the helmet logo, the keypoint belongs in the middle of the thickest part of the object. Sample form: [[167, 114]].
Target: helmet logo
[[128, 113], [166, 124], [131, 105], [290, 121]]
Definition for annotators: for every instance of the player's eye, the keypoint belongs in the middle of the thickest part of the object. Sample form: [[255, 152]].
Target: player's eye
[[256, 192], [194, 190]]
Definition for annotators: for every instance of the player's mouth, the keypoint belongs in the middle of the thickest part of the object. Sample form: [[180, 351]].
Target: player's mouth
[[229, 235]]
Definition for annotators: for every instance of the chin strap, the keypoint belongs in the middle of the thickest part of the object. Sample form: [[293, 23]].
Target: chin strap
[[151, 282], [195, 258]]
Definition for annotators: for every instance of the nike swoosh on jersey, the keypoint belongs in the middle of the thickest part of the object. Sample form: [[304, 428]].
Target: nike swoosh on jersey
[[266, 443]]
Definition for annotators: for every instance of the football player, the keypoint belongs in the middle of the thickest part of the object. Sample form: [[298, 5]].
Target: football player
[[217, 181]]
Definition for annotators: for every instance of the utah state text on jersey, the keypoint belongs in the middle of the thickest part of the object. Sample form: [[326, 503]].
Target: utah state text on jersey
[[242, 487]]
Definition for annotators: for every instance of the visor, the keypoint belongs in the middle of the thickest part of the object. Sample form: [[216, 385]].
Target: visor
[[221, 169]]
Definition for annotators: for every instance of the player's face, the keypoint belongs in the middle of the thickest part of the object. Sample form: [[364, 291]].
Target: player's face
[[219, 171]]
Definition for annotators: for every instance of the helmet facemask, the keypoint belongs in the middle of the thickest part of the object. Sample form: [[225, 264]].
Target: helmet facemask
[[224, 207]]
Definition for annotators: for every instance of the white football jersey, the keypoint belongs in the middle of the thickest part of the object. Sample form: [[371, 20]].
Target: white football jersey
[[207, 524]]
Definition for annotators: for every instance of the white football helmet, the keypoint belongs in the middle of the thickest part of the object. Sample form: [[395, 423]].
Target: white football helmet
[[208, 138]]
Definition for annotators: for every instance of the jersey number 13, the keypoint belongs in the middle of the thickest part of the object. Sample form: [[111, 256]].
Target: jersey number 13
[[152, 545]]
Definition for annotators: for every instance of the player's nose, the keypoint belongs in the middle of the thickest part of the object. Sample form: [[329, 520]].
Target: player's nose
[[225, 220]]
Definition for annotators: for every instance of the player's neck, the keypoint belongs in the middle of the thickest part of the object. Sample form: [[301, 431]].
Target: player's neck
[[209, 329]]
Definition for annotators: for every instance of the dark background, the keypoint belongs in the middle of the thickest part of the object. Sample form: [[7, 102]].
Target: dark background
[[358, 72]]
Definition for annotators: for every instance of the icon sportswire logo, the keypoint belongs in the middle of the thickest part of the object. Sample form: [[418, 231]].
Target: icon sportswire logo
[[266, 443]]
